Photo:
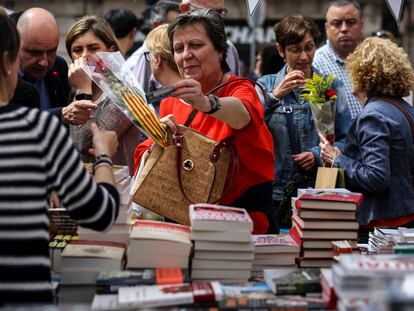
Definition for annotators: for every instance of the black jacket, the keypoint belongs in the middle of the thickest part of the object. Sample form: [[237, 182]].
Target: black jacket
[[57, 83]]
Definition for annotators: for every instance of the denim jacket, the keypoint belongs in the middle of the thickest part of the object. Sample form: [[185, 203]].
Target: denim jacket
[[305, 130], [379, 161]]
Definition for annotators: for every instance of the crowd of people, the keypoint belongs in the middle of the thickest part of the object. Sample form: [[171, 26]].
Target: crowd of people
[[52, 116]]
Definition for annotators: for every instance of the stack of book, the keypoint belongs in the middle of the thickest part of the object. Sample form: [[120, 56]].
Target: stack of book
[[83, 260], [383, 240], [56, 246], [273, 251], [370, 276], [157, 244], [119, 230], [321, 216], [223, 244]]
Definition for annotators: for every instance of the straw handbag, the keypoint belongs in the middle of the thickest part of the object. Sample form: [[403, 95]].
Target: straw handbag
[[192, 169]]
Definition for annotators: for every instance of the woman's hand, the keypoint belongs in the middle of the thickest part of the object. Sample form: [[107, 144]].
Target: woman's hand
[[290, 82], [103, 141], [329, 153], [78, 79], [170, 122], [190, 91], [305, 160]]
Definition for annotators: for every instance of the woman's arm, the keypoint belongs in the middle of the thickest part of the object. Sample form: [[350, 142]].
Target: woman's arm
[[231, 111], [372, 173]]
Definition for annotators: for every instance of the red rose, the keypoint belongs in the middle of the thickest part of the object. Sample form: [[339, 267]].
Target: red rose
[[330, 93], [55, 73]]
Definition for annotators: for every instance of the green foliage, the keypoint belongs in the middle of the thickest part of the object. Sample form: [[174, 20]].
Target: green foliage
[[316, 89]]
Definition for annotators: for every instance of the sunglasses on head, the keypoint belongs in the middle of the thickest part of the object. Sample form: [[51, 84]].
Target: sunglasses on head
[[204, 11]]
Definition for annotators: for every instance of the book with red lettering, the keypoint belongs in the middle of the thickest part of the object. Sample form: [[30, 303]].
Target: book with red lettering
[[384, 263], [332, 199], [275, 243], [212, 217], [153, 296]]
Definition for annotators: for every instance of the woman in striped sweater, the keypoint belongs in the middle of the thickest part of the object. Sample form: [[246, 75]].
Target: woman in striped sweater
[[36, 157]]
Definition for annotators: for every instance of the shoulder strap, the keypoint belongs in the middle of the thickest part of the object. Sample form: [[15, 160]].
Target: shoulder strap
[[193, 113], [403, 111]]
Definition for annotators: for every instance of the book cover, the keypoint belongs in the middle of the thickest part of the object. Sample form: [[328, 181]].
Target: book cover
[[384, 263], [322, 199], [275, 243], [108, 282], [296, 282], [152, 296], [221, 218], [159, 230], [94, 249], [60, 222], [325, 224]]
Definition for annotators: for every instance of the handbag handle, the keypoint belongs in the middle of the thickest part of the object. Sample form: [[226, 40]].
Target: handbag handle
[[234, 161]]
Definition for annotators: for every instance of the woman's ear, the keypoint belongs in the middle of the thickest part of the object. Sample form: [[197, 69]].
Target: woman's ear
[[280, 50], [6, 64], [112, 49]]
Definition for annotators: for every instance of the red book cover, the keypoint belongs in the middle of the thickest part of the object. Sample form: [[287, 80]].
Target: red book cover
[[295, 235], [352, 197]]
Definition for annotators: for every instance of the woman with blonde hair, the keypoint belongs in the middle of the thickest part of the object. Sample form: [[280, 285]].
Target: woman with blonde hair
[[379, 152], [87, 36]]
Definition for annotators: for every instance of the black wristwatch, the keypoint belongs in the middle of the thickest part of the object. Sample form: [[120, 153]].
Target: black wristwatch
[[83, 96], [215, 103]]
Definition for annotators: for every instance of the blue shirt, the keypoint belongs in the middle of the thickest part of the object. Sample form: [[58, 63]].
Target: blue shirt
[[41, 87], [326, 61]]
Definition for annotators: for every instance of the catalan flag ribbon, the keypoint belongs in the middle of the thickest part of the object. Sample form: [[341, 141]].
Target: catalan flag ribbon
[[109, 72]]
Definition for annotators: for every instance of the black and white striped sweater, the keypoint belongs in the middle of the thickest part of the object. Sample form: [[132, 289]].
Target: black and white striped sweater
[[36, 157]]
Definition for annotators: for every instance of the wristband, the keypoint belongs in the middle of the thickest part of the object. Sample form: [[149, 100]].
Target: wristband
[[101, 158], [83, 96], [215, 103]]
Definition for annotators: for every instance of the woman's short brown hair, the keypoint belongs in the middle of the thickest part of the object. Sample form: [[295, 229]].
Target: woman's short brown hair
[[98, 25], [158, 43], [292, 30], [380, 67]]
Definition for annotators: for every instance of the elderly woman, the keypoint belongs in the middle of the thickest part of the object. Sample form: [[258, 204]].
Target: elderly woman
[[379, 151], [289, 116], [37, 156], [199, 45], [87, 36]]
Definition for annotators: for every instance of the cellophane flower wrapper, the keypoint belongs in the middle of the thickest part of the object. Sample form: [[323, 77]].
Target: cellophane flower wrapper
[[322, 101], [110, 73]]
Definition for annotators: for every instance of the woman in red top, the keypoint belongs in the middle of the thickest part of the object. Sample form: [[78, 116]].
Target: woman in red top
[[199, 46]]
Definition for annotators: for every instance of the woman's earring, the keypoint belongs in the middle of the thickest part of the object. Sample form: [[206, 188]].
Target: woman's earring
[[9, 72]]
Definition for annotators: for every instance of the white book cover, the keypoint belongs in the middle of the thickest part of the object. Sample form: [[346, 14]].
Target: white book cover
[[264, 243], [212, 217], [384, 263], [105, 302], [159, 230], [94, 249]]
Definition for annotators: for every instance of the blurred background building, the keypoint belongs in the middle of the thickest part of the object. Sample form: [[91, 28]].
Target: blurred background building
[[375, 12]]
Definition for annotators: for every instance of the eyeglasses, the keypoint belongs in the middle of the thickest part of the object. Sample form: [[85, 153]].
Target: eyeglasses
[[222, 12], [147, 56], [309, 49]]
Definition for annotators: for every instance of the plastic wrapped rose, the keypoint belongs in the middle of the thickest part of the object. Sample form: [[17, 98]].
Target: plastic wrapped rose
[[321, 96], [110, 74]]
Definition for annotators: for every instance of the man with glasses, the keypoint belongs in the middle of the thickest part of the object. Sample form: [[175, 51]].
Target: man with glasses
[[218, 6], [344, 31]]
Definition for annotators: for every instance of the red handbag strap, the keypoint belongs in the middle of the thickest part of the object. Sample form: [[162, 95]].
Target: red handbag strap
[[234, 162]]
